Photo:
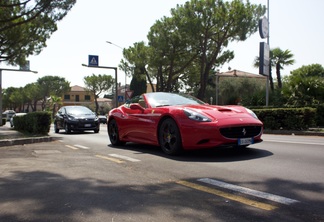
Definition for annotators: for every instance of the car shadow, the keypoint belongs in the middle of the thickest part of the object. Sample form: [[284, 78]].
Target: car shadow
[[218, 154]]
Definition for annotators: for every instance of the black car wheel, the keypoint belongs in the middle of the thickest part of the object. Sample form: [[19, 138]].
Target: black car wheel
[[67, 128], [56, 129], [96, 130], [169, 137], [113, 133]]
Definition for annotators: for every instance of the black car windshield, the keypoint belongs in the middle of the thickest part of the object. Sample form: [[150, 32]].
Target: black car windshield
[[158, 99], [78, 110]]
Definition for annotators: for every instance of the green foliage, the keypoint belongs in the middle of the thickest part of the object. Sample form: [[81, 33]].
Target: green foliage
[[96, 84], [184, 49], [35, 123], [305, 86], [287, 118], [26, 25], [138, 84]]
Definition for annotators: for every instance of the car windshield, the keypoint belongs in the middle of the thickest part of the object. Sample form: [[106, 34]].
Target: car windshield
[[78, 110], [158, 99]]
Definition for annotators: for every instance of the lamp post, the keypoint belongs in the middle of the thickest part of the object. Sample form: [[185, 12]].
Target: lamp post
[[124, 69], [15, 70]]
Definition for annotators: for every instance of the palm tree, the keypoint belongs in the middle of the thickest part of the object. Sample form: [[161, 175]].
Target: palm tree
[[279, 59]]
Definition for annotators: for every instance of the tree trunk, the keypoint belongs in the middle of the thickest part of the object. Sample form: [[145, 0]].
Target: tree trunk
[[278, 75]]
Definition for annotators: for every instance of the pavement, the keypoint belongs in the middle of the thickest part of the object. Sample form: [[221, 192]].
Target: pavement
[[11, 137]]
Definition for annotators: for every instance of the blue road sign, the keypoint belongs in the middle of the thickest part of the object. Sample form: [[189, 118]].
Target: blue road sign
[[120, 99], [93, 60]]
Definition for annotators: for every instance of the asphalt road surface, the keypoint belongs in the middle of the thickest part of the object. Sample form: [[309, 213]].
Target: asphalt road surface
[[80, 177]]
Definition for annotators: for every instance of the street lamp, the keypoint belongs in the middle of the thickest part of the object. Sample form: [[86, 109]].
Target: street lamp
[[124, 69]]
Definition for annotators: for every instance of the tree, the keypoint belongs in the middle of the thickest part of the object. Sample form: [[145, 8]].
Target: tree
[[196, 36], [26, 25], [52, 86], [305, 86], [97, 84], [279, 59], [33, 95]]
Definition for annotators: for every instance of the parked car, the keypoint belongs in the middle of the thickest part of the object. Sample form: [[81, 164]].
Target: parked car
[[102, 119], [8, 114], [76, 118], [13, 116], [178, 122]]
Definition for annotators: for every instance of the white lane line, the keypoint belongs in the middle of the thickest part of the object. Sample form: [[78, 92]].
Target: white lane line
[[264, 195], [71, 147], [82, 147], [292, 142], [124, 157]]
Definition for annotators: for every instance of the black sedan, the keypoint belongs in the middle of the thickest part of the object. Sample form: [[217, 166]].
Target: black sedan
[[76, 118]]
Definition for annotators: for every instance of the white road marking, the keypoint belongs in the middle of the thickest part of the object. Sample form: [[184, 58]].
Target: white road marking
[[71, 147], [82, 147], [124, 157], [292, 142], [264, 195]]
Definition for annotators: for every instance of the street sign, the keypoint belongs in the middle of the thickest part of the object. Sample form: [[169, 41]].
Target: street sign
[[120, 99], [129, 94], [93, 60]]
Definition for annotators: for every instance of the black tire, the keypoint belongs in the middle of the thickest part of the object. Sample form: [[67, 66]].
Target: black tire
[[56, 129], [96, 131], [169, 137], [113, 133], [67, 128]]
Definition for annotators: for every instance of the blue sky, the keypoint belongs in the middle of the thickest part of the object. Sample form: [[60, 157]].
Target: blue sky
[[294, 24]]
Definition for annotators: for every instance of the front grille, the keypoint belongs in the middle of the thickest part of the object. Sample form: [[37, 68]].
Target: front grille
[[241, 132]]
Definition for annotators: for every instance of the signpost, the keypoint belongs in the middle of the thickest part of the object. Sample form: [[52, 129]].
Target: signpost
[[93, 62]]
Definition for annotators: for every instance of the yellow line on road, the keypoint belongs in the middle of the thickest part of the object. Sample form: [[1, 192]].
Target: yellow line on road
[[229, 196], [72, 147], [110, 158]]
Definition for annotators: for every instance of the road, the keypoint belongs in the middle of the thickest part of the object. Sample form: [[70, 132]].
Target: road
[[80, 177]]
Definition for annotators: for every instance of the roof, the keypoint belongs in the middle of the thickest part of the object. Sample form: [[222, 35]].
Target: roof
[[77, 88], [238, 73]]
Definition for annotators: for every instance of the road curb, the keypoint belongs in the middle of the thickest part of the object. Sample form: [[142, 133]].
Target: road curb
[[22, 141]]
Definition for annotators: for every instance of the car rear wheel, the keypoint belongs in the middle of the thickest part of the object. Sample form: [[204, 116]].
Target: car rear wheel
[[67, 128], [169, 137], [113, 133]]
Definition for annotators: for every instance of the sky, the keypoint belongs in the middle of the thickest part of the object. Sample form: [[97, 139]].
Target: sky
[[296, 25]]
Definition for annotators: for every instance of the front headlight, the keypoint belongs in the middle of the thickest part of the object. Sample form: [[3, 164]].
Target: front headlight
[[251, 113], [193, 115]]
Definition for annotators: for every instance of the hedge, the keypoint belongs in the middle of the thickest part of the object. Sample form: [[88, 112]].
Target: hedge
[[287, 118], [35, 123]]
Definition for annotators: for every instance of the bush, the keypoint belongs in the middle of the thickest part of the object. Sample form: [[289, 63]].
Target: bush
[[287, 118], [36, 123]]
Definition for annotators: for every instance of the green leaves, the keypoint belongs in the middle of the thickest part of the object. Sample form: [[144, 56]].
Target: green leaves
[[26, 25]]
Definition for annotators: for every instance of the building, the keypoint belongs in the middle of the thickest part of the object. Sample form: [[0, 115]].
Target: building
[[80, 96]]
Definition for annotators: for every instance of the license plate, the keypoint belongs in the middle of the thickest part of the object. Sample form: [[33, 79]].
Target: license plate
[[245, 141], [87, 125]]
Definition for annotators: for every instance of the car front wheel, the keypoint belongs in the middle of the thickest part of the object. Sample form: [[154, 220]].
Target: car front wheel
[[67, 128], [169, 137], [56, 129]]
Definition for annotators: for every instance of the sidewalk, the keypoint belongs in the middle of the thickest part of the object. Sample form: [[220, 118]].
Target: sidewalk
[[11, 137]]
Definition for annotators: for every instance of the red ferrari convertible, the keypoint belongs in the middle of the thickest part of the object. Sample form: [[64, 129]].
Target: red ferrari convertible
[[178, 122]]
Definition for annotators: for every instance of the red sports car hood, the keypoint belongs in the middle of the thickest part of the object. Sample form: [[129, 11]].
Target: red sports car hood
[[220, 112]]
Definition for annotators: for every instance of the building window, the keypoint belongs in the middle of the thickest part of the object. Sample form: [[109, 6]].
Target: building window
[[77, 98], [66, 97], [87, 97]]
